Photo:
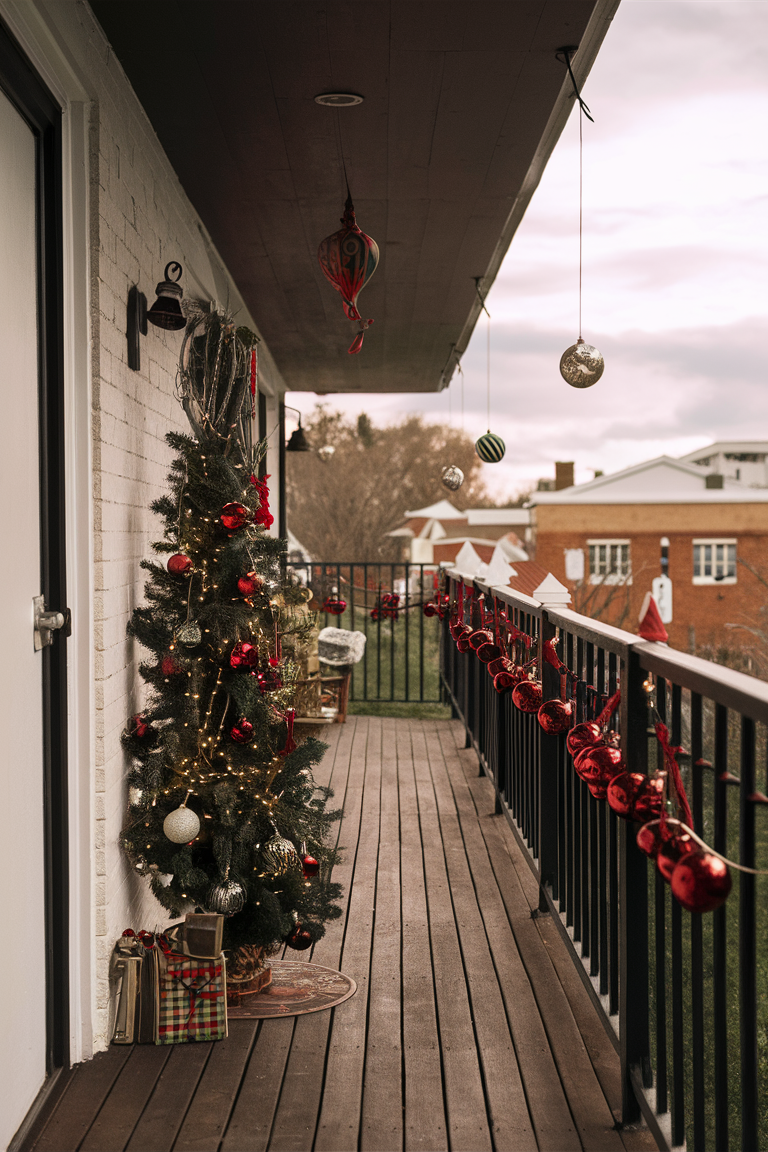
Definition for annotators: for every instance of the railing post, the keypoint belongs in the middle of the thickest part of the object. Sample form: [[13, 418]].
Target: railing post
[[548, 782], [633, 905]]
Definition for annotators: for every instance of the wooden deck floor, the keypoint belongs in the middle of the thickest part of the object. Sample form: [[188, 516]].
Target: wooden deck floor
[[470, 1029]]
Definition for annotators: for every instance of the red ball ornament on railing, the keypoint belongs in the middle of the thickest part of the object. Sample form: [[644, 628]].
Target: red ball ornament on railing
[[583, 736], [672, 850], [481, 636], [334, 606], [505, 680], [488, 652], [500, 664], [556, 716], [527, 696], [463, 643], [701, 882], [348, 259], [599, 764], [431, 609]]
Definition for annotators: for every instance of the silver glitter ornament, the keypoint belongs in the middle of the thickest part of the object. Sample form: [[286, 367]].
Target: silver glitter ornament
[[581, 365], [189, 635], [452, 478], [279, 856], [182, 825], [226, 898]]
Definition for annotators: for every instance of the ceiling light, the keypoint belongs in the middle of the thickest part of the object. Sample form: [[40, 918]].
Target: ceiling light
[[338, 99]]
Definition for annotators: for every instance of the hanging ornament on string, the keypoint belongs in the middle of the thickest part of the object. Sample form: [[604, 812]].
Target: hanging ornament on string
[[489, 447], [348, 259], [227, 897], [452, 478], [581, 365], [182, 825]]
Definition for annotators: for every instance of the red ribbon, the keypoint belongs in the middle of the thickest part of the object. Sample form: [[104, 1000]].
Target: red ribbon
[[671, 752], [290, 744], [609, 709]]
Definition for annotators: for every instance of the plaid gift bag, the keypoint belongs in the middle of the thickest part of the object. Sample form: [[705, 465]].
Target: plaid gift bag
[[191, 998]]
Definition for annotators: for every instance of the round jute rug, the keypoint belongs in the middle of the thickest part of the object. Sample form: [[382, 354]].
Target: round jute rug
[[296, 988]]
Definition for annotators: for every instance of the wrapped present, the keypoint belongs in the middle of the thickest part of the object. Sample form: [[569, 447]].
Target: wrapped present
[[134, 967], [191, 998], [340, 646]]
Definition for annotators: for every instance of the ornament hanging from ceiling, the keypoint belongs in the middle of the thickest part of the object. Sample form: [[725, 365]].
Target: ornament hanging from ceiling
[[581, 365], [490, 447], [348, 259], [452, 478]]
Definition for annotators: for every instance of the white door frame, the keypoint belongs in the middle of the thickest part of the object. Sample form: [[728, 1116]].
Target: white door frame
[[47, 56]]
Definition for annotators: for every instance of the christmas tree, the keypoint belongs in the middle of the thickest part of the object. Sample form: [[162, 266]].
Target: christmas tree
[[224, 815]]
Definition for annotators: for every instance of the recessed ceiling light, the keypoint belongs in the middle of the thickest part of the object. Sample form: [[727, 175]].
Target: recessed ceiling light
[[338, 99]]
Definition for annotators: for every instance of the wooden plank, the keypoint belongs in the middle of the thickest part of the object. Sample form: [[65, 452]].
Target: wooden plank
[[382, 1111], [85, 1094], [425, 1123], [511, 1125], [300, 1101], [589, 1108], [339, 1122], [468, 1125], [208, 1115], [164, 1114], [120, 1113], [252, 1117], [303, 1037], [547, 1104]]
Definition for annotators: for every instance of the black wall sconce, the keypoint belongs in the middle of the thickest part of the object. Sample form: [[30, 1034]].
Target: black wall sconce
[[298, 441], [165, 312]]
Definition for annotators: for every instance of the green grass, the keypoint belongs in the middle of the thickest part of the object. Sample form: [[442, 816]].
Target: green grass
[[400, 709]]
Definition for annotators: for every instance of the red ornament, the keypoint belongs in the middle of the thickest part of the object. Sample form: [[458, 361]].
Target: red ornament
[[348, 259], [481, 636], [504, 680], [170, 666], [583, 736], [556, 716], [234, 516], [599, 764], [624, 790], [488, 652], [334, 606], [672, 850], [242, 733], [140, 727], [262, 515], [527, 696], [309, 866], [270, 681], [463, 643], [179, 564], [598, 788], [701, 881], [290, 744], [299, 938], [459, 628], [244, 656], [649, 838], [250, 584], [650, 800], [500, 664], [431, 609]]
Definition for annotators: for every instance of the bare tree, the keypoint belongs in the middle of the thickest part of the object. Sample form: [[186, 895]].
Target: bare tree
[[359, 481], [604, 599]]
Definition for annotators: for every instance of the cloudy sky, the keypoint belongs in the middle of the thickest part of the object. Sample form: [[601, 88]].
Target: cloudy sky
[[675, 260]]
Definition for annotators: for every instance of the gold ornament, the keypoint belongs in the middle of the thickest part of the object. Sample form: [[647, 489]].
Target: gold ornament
[[581, 365]]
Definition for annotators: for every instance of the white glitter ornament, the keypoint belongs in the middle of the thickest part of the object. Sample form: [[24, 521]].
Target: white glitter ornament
[[181, 825]]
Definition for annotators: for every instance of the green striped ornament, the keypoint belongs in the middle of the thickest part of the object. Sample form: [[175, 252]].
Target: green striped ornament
[[490, 448]]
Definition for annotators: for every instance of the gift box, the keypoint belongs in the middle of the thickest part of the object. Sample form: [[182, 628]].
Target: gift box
[[134, 967], [191, 1001]]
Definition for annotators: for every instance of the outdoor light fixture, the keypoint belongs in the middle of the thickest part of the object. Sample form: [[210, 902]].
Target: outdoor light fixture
[[165, 312], [298, 441], [338, 99]]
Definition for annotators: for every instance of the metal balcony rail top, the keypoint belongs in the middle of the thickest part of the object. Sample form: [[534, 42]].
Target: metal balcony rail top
[[736, 690]]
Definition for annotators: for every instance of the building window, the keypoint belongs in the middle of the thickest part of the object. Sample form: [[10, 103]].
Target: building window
[[714, 561], [609, 562]]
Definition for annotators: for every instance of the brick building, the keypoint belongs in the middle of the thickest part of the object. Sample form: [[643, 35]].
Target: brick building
[[605, 540]]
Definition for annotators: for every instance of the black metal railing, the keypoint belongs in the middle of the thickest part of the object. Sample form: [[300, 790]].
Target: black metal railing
[[684, 996], [401, 661]]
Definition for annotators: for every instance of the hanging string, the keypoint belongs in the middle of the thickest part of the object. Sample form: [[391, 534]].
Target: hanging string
[[487, 351], [581, 198]]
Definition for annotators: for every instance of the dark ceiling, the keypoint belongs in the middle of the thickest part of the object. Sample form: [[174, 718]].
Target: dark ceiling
[[463, 101]]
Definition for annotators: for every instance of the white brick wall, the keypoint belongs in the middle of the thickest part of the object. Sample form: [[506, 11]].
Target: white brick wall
[[140, 219]]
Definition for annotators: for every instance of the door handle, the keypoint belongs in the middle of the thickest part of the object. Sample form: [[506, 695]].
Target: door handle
[[46, 623]]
